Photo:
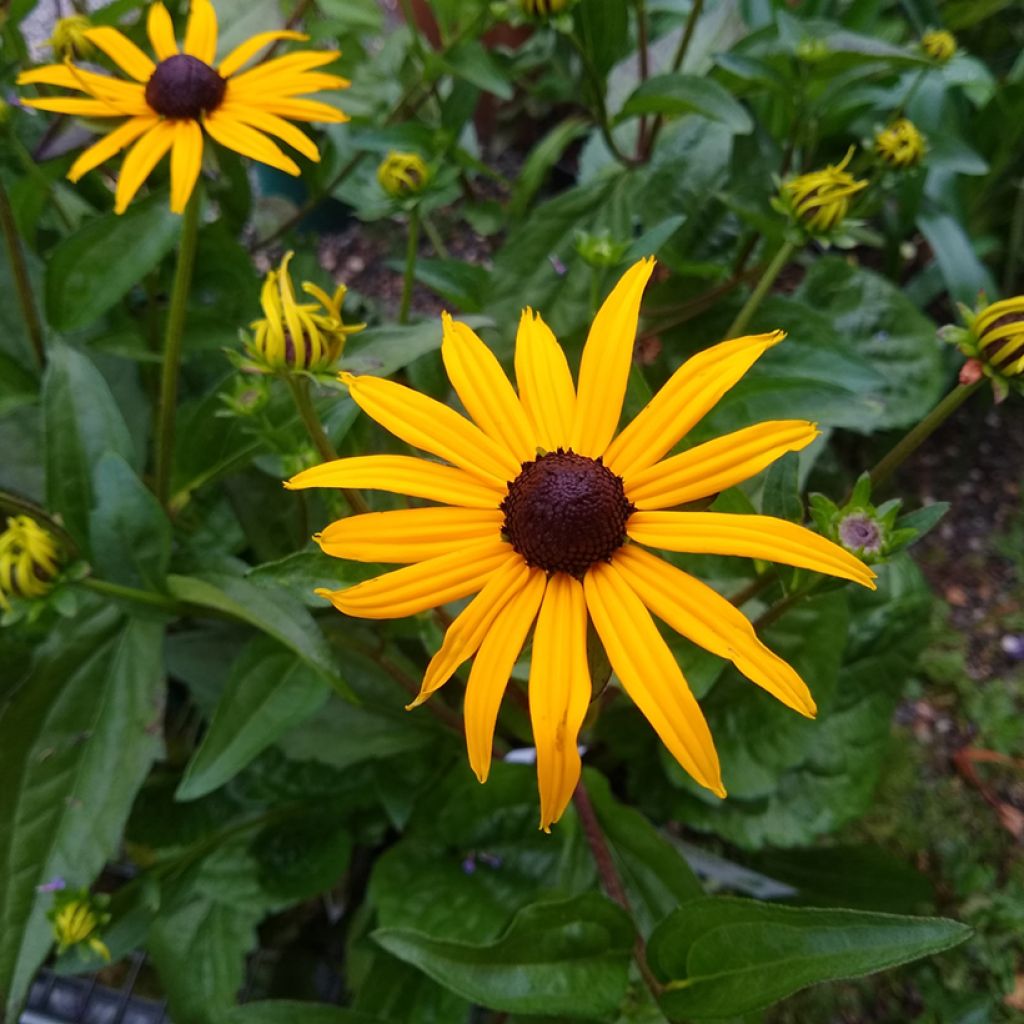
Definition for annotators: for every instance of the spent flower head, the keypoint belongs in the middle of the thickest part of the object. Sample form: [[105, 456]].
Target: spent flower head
[[77, 918], [29, 560], [939, 44], [819, 201], [170, 105], [993, 340], [70, 40], [403, 175], [900, 144], [293, 335], [546, 512]]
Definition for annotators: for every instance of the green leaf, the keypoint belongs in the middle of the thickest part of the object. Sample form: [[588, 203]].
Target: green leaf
[[95, 267], [567, 957], [542, 157], [470, 61], [381, 351], [78, 738], [781, 496], [723, 956], [965, 275], [923, 519], [677, 94], [82, 422], [461, 284], [17, 386], [268, 692], [286, 1011], [603, 26], [129, 533], [303, 856]]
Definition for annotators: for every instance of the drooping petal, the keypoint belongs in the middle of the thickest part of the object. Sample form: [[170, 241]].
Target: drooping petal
[[545, 382], [485, 391], [559, 693], [702, 615], [604, 367], [402, 474], [110, 144], [244, 52], [749, 536], [465, 635], [160, 29], [424, 585], [716, 465], [247, 141], [408, 534], [273, 125], [123, 52], [201, 32], [649, 674], [432, 427], [687, 396], [186, 162], [77, 107], [125, 96], [492, 667], [140, 161]]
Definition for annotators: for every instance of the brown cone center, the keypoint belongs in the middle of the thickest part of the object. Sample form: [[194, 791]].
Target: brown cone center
[[565, 512], [183, 87]]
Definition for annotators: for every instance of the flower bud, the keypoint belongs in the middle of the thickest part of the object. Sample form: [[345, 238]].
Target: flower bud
[[900, 144], [993, 341], [820, 200], [29, 560], [402, 175], [543, 8], [939, 44], [600, 250], [69, 41], [293, 335], [76, 919]]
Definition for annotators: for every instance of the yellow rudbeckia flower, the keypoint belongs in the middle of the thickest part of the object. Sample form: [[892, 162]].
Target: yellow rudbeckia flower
[[939, 44], [170, 103], [900, 144], [820, 200], [29, 560], [547, 514]]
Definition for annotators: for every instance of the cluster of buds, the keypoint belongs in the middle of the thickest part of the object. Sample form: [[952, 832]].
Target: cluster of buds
[[403, 175], [820, 200], [296, 335], [992, 338], [77, 919], [69, 40], [29, 560], [900, 144], [939, 44]]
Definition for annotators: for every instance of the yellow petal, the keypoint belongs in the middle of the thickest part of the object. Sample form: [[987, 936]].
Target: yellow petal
[[649, 673], [485, 391], [125, 96], [247, 141], [186, 161], [409, 534], [77, 107], [424, 585], [140, 161], [201, 32], [123, 52], [559, 693], [160, 29], [545, 382], [467, 632], [492, 667], [716, 465], [304, 110], [273, 125], [402, 474], [110, 144], [604, 368], [427, 424], [290, 65], [284, 88], [709, 620], [688, 395], [244, 52], [749, 536]]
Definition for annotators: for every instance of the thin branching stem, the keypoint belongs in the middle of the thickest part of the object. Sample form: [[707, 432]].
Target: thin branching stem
[[22, 282]]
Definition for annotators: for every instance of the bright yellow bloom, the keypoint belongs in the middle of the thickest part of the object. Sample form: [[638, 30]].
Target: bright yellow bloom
[[403, 174], [69, 39], [820, 200], [75, 921], [170, 104], [940, 45], [549, 517], [901, 144], [308, 336], [28, 560]]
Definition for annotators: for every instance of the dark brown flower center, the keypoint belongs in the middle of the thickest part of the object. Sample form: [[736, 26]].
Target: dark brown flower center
[[184, 87], [564, 512]]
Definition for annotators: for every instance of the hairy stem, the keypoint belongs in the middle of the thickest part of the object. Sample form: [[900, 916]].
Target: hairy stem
[[750, 307], [411, 246]]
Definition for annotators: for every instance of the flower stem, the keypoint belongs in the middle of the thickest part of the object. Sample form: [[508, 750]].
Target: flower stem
[[22, 284], [410, 265], [677, 61], [771, 272], [299, 388], [643, 70], [430, 230], [133, 594], [914, 438], [173, 333]]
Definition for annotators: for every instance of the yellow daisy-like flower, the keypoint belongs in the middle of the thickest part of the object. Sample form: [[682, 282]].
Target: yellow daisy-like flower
[[901, 144], [29, 560], [402, 174], [550, 514], [820, 200], [170, 104], [308, 336], [939, 44]]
